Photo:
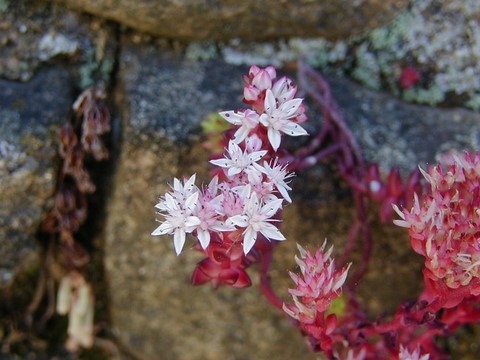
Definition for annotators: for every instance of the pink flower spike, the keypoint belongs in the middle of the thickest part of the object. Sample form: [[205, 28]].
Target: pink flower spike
[[319, 284], [443, 227]]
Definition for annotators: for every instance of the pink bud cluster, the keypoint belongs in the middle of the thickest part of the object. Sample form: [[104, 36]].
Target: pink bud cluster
[[318, 285], [444, 228], [240, 207]]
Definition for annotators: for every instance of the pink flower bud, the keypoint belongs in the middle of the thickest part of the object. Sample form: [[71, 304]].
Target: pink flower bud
[[254, 69], [251, 93], [262, 80], [271, 72]]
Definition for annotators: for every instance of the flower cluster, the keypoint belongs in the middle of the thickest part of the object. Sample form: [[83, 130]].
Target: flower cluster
[[242, 202], [444, 228], [317, 287], [246, 201]]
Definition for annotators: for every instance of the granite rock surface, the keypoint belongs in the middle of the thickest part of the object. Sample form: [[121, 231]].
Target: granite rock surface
[[223, 20], [30, 116]]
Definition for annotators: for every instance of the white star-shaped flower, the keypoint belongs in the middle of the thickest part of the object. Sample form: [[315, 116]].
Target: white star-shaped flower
[[208, 211], [178, 218], [278, 118], [256, 218], [238, 160], [277, 174], [180, 192], [284, 89], [247, 120]]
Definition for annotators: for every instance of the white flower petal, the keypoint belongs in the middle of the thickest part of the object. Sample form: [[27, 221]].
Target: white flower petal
[[225, 163], [163, 229], [234, 171], [270, 102], [252, 205], [231, 116], [191, 222], [257, 155], [190, 183], [274, 137], [271, 232], [177, 185], [171, 203], [191, 202], [290, 107], [271, 207], [287, 95], [179, 240], [161, 206], [239, 220], [341, 280], [264, 120], [254, 175], [204, 237], [241, 134], [293, 129], [221, 226], [213, 185], [284, 192], [250, 236]]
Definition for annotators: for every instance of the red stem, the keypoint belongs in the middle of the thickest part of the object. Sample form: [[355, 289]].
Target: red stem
[[265, 286]]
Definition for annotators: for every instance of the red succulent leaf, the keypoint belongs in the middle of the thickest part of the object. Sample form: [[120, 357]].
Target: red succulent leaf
[[228, 276], [394, 183], [243, 280]]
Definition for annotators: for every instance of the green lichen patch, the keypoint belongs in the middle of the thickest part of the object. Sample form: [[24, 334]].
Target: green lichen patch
[[439, 39]]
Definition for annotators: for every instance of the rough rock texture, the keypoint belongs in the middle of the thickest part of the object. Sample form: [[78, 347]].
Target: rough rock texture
[[248, 19], [395, 134], [30, 115], [162, 98], [38, 33]]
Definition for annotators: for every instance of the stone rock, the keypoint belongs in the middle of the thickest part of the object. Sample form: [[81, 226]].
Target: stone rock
[[393, 133], [249, 19], [30, 115], [162, 98], [37, 33]]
